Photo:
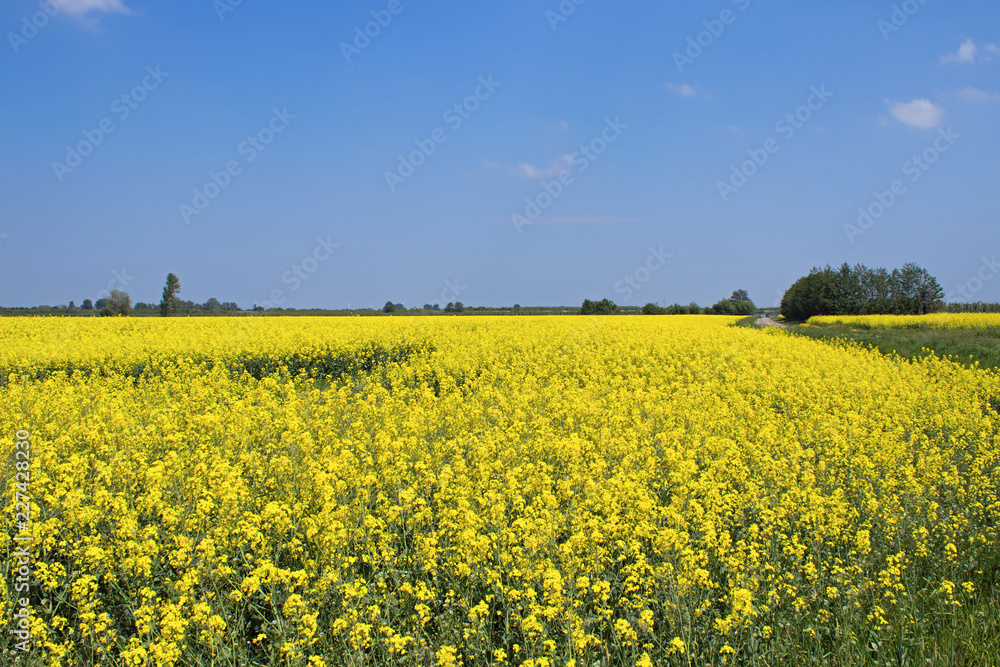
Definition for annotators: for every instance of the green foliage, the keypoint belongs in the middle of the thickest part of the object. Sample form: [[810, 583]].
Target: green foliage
[[653, 309], [965, 346], [859, 290], [675, 309], [389, 307], [732, 307], [170, 301], [976, 307], [603, 307], [118, 304]]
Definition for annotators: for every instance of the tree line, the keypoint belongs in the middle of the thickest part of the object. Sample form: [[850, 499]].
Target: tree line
[[119, 303], [737, 304], [860, 290], [976, 307], [849, 290]]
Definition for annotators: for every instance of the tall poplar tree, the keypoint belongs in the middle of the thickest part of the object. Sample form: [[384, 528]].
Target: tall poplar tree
[[170, 299]]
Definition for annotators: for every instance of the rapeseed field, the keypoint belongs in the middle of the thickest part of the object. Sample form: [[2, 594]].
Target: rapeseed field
[[560, 491], [930, 321]]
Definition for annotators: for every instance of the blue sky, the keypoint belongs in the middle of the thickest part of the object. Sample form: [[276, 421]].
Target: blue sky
[[530, 151]]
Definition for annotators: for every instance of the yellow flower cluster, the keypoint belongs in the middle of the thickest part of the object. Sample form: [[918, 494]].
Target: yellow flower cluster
[[931, 321], [491, 491]]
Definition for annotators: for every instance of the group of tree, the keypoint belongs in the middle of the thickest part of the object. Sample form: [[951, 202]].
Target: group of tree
[[860, 290], [116, 303], [737, 304], [171, 303], [119, 304], [676, 309], [187, 307], [452, 307], [602, 307], [975, 307]]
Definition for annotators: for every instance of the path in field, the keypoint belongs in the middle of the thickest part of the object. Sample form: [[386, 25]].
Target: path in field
[[768, 322]]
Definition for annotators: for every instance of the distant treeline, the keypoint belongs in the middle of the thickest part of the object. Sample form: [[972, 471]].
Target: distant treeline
[[185, 311], [978, 307], [737, 304], [859, 290]]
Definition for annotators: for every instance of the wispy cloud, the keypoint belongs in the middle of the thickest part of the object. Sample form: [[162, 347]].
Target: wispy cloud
[[921, 114], [525, 170], [966, 53], [687, 90], [80, 8], [972, 94]]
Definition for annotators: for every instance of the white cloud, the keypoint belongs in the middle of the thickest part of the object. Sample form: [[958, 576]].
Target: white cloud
[[921, 114], [81, 7], [684, 90], [966, 53], [971, 94], [687, 90], [525, 170], [993, 47]]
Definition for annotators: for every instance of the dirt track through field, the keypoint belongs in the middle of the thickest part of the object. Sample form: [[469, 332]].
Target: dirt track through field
[[768, 322]]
